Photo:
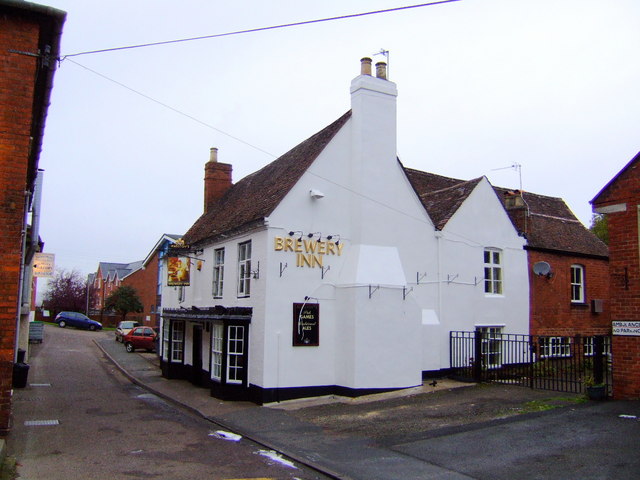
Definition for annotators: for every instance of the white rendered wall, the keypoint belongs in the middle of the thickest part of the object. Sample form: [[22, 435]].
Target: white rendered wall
[[479, 223]]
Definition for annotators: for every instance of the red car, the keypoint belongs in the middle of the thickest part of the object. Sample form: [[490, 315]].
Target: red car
[[140, 337]]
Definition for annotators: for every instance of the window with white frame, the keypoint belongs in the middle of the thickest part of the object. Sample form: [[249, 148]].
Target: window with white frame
[[235, 354], [577, 284], [493, 271], [216, 351], [589, 350], [244, 269], [554, 347], [218, 272], [160, 277], [165, 339], [491, 346], [177, 341]]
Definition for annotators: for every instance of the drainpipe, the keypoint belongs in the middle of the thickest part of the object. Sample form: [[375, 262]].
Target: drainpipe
[[27, 196], [439, 283]]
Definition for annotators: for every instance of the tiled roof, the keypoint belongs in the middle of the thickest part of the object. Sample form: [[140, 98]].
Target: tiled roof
[[248, 202], [551, 225], [121, 270], [441, 196]]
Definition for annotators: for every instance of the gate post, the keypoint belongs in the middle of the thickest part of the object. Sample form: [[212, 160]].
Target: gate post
[[598, 359], [477, 355]]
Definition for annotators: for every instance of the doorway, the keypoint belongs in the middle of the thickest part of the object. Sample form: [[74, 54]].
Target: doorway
[[196, 357]]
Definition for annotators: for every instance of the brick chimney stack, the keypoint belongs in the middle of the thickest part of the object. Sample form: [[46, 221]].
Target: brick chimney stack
[[517, 209], [217, 179]]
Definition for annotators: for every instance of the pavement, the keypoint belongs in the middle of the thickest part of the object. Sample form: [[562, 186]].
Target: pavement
[[499, 434]]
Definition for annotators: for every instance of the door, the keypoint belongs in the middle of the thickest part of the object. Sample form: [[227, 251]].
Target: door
[[196, 369]]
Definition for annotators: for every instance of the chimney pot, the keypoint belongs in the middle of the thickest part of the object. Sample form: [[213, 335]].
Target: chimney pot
[[381, 70], [365, 66], [213, 154]]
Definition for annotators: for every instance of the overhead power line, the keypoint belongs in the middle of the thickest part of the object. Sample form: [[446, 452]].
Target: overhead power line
[[191, 117], [261, 29]]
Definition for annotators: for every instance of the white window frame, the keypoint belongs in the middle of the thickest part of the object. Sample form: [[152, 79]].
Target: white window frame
[[493, 278], [177, 341], [491, 346], [244, 269], [218, 272], [217, 342], [160, 277], [577, 283], [165, 339], [235, 353], [588, 346], [555, 347]]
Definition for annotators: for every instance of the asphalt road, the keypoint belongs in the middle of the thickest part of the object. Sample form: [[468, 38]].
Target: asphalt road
[[80, 418]]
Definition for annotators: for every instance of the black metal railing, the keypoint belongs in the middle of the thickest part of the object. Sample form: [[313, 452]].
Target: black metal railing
[[566, 364]]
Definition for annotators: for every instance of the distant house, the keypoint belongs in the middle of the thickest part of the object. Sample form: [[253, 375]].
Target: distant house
[[147, 281], [331, 271], [29, 42], [619, 201], [106, 280]]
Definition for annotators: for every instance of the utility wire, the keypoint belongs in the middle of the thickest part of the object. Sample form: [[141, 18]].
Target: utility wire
[[261, 29], [191, 117]]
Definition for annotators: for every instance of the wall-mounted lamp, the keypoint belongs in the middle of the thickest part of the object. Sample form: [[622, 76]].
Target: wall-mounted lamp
[[256, 273], [315, 194], [330, 237], [311, 235], [292, 233]]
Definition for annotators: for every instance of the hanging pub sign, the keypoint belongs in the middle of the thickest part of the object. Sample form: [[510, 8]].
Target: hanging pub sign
[[306, 324], [178, 274]]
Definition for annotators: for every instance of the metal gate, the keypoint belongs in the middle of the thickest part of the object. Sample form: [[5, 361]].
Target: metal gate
[[565, 364]]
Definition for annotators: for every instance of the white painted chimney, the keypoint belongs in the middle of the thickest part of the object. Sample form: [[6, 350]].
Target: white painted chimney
[[373, 137]]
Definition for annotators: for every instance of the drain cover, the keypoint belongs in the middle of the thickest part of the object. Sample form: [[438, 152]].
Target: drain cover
[[40, 423]]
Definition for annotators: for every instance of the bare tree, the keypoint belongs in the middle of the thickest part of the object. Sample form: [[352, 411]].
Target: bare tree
[[67, 291]]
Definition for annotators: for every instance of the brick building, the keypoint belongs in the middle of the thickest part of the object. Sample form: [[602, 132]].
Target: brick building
[[147, 281], [573, 297], [619, 200], [104, 282], [29, 44]]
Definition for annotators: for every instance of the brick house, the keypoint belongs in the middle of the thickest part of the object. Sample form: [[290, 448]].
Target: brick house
[[619, 201], [107, 278], [29, 44], [573, 298], [147, 281]]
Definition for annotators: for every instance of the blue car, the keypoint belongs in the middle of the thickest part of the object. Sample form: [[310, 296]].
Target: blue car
[[78, 320]]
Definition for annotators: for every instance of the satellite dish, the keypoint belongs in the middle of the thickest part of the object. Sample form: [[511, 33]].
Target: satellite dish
[[541, 268]]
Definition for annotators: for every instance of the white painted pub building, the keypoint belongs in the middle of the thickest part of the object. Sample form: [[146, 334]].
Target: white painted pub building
[[332, 270]]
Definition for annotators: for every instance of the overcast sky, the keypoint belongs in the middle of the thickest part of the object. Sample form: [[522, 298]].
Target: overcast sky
[[552, 85]]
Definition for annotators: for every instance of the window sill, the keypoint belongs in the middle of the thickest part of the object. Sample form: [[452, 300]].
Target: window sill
[[580, 305]]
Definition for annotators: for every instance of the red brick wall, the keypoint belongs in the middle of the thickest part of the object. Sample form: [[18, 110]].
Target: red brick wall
[[625, 278], [145, 281], [552, 312], [17, 75]]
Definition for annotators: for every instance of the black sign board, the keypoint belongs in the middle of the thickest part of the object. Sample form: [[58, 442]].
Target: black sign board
[[306, 324]]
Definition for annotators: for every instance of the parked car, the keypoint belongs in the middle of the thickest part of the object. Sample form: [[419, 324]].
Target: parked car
[[78, 320], [140, 337], [125, 327]]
